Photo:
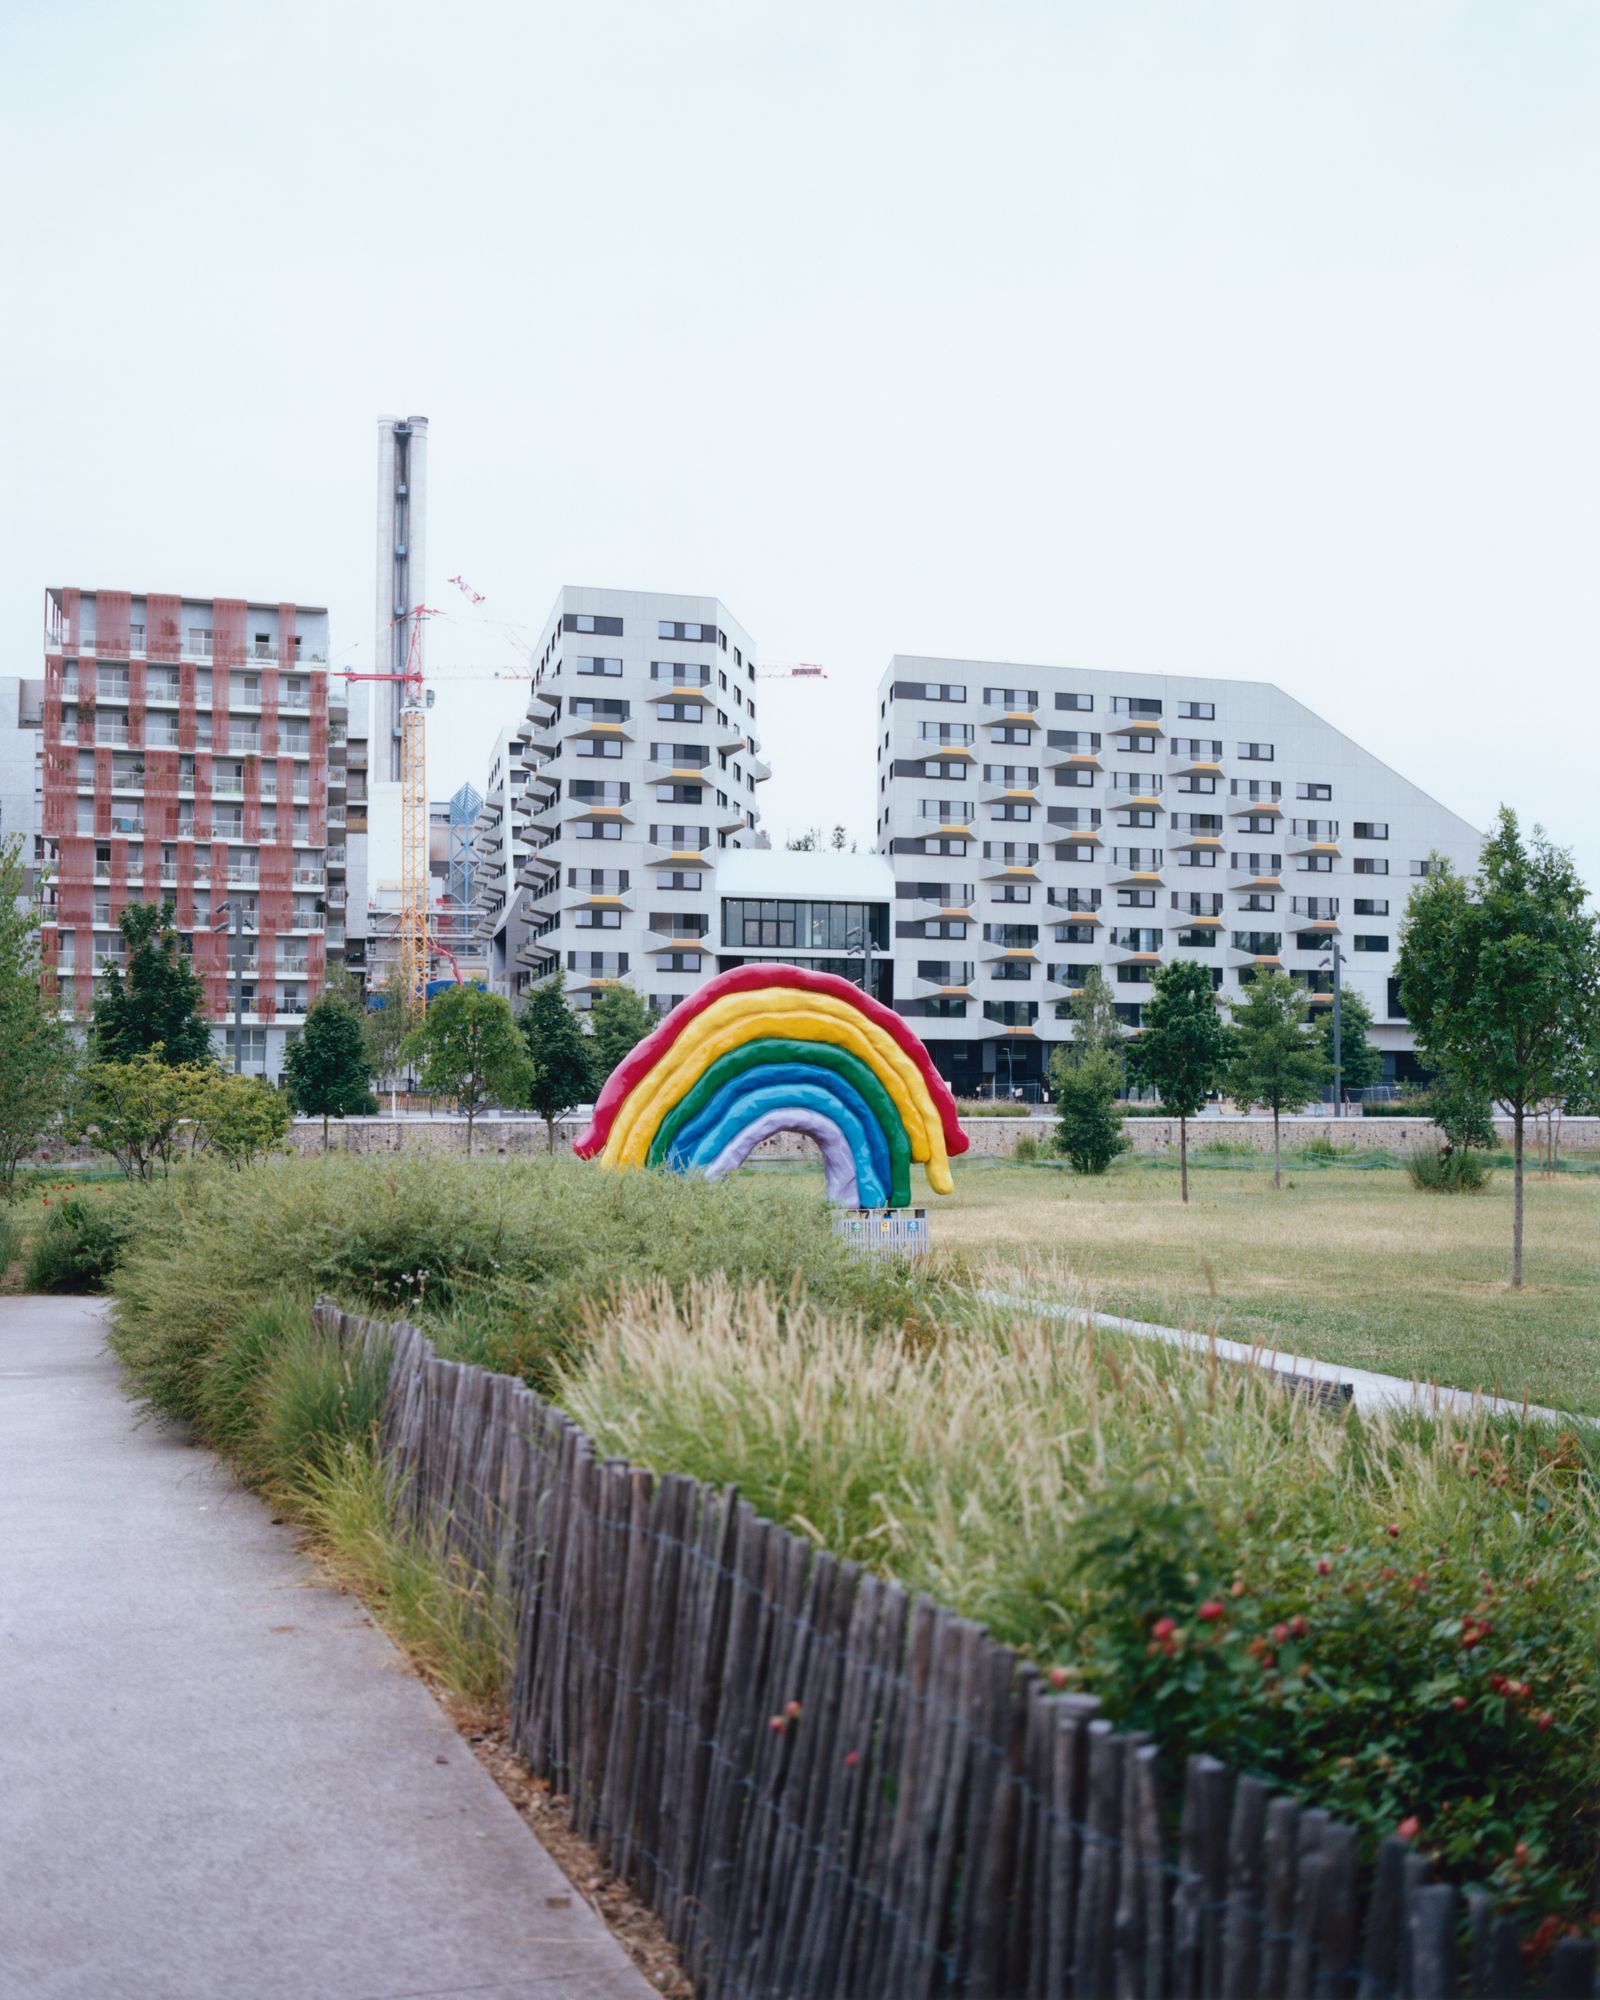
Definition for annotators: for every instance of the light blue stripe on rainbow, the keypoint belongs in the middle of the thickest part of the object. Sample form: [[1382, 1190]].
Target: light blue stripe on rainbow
[[741, 1100]]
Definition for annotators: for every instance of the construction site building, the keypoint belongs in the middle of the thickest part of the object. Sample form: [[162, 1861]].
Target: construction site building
[[643, 761], [194, 754]]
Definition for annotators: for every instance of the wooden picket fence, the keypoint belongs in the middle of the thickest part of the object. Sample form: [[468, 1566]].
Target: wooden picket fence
[[826, 1788]]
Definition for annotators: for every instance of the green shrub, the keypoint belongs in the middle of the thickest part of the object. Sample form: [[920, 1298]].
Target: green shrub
[[77, 1245], [1027, 1150], [502, 1259], [1389, 1615], [1450, 1170], [1228, 1149], [10, 1240], [1323, 1148], [1089, 1128]]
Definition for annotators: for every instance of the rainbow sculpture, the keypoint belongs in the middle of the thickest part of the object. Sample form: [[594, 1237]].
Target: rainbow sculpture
[[777, 1048]]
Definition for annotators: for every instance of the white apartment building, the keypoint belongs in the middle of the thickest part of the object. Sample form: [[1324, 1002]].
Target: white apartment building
[[498, 918], [1040, 820], [642, 761]]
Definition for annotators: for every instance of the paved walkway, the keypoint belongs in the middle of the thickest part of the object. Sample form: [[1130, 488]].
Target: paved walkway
[[1371, 1391], [217, 1778]]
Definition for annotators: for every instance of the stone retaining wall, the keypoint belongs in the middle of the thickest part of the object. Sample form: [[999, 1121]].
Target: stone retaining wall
[[517, 1138]]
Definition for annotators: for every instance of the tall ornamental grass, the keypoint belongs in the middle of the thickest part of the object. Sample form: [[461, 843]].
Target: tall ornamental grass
[[501, 1263], [1393, 1615]]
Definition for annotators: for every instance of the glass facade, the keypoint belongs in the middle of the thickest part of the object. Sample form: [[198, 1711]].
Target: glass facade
[[802, 926]]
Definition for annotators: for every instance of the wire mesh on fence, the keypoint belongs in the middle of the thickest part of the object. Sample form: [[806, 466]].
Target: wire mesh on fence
[[826, 1788]]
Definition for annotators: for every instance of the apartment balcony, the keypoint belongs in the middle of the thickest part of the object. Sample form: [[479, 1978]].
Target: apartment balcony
[[307, 877], [1143, 793], [110, 730], [1136, 875], [1299, 845], [948, 829], [1136, 725], [757, 765], [1080, 836], [1241, 808], [945, 751], [1180, 764], [916, 909], [728, 736], [1022, 794], [657, 855], [1269, 879], [728, 818], [588, 899], [573, 810], [996, 712], [662, 771], [596, 728], [1008, 871], [1083, 760], [1189, 842]]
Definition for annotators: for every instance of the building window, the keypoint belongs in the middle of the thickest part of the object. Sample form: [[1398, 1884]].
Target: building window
[[682, 673], [585, 621], [1075, 850], [601, 669], [1370, 941], [1011, 1013], [1011, 969], [1011, 697], [1082, 702], [1421, 867], [1256, 753], [1256, 788], [1197, 711], [1079, 776], [1314, 864], [928, 691], [940, 1007], [1010, 809], [1010, 732], [1205, 787], [1313, 791], [1137, 705], [944, 732], [1371, 864], [1371, 829], [598, 829], [1372, 906], [597, 746], [692, 633], [597, 920], [1198, 857]]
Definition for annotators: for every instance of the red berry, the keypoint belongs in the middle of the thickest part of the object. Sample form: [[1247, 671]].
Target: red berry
[[1212, 1610], [851, 1759], [1280, 1632], [1544, 1719], [792, 1710], [1393, 1529], [777, 1725], [1163, 1628], [1057, 1678], [1458, 1702], [1409, 1828], [1298, 1627], [1324, 1567]]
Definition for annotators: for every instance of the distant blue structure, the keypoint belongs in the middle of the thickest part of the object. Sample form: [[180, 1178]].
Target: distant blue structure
[[461, 874]]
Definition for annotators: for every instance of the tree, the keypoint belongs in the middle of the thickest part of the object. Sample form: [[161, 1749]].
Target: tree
[[1500, 978], [1360, 1064], [326, 1071], [618, 1022], [1461, 1108], [559, 1052], [1089, 1119], [38, 1056], [157, 1005], [385, 1025], [468, 1048], [1182, 1048], [132, 1110], [1276, 1062], [1087, 1074], [239, 1118]]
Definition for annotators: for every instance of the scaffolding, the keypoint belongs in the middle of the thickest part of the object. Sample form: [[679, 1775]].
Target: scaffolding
[[461, 873]]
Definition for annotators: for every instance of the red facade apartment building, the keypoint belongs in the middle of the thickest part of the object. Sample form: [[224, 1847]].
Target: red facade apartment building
[[192, 756]]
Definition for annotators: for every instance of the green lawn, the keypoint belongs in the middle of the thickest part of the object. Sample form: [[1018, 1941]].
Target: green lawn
[[1348, 1264]]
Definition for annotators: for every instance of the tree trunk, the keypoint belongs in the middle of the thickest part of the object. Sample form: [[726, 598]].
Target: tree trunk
[[550, 1137], [1183, 1154], [324, 1131], [472, 1110], [1516, 1198], [1277, 1157]]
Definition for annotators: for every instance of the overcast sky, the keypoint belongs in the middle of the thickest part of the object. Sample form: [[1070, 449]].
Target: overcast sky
[[1256, 339]]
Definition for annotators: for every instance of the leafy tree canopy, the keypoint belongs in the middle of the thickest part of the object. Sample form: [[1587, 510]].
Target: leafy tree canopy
[[467, 1047], [38, 1054], [559, 1052], [157, 1003], [326, 1070], [618, 1022], [1360, 1064]]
